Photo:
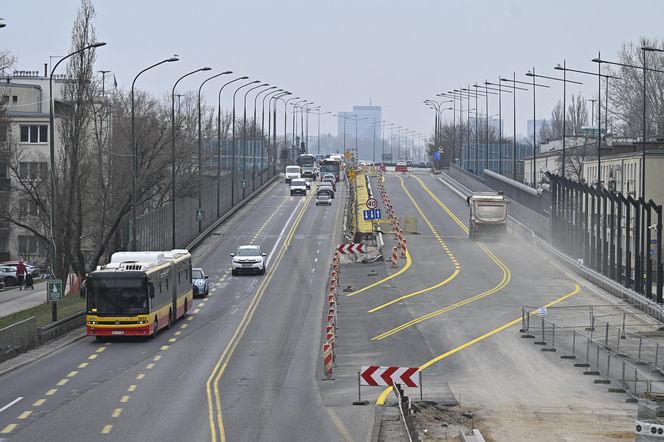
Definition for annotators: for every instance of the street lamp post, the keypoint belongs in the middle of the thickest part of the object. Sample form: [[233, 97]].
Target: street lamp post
[[244, 137], [564, 80], [265, 153], [51, 138], [285, 118], [319, 113], [374, 139], [134, 153], [535, 86], [200, 147], [173, 193], [253, 172], [233, 141], [219, 145]]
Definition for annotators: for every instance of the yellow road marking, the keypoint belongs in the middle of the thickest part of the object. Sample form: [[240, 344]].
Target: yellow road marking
[[202, 304], [177, 333], [164, 347], [184, 325], [218, 370], [190, 318], [92, 356], [8, 429], [157, 358], [339, 424], [457, 267], [197, 310], [101, 349], [25, 415], [410, 295], [62, 382], [441, 204], [140, 376], [507, 276], [131, 388], [71, 374], [39, 402], [172, 340], [150, 366], [383, 395], [409, 262], [124, 399], [82, 365], [117, 412], [51, 392], [107, 429]]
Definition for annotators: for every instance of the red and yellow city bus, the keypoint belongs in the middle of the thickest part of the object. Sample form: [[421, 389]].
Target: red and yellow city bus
[[138, 293]]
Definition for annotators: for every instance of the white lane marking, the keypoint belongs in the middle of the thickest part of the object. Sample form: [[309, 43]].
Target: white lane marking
[[318, 250], [315, 259], [18, 399], [281, 234], [313, 269]]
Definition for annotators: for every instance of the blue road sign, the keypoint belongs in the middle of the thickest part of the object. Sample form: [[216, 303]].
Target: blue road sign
[[436, 155], [370, 215]]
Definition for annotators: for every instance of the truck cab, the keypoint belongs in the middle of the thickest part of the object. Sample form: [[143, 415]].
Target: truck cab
[[488, 214]]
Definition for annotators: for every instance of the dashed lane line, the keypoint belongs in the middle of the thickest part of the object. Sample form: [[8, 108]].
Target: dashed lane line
[[455, 272]]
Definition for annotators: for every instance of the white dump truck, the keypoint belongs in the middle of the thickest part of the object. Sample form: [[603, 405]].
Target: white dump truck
[[488, 214]]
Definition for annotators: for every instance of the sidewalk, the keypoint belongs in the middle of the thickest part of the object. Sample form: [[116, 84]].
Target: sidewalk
[[14, 300]]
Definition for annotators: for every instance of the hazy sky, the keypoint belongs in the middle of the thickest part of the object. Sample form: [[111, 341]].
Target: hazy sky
[[343, 53]]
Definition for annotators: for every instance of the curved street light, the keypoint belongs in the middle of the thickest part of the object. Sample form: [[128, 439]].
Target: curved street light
[[173, 194], [51, 130], [244, 136], [200, 146], [219, 143], [233, 137], [253, 168]]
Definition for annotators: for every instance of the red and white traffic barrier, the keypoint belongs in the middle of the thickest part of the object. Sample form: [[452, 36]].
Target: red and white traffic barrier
[[404, 249], [328, 360], [395, 257]]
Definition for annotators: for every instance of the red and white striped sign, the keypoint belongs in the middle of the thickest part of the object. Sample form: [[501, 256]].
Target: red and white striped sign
[[374, 375], [347, 249]]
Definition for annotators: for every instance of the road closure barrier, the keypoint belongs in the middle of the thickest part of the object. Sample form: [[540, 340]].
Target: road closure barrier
[[330, 318]]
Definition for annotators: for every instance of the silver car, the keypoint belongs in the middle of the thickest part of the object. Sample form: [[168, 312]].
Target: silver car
[[323, 199]]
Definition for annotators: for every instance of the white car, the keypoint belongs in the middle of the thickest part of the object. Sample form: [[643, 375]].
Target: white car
[[249, 259], [292, 172], [298, 186]]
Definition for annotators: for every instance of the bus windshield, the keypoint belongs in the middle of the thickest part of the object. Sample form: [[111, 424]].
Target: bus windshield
[[117, 296]]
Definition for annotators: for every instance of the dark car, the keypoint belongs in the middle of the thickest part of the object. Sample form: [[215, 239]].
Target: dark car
[[422, 164], [200, 283]]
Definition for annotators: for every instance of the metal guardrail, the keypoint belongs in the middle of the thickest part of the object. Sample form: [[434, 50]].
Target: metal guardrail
[[17, 338], [630, 360]]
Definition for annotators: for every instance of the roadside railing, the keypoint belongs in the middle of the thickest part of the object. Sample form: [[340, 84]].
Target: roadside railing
[[605, 345], [17, 338]]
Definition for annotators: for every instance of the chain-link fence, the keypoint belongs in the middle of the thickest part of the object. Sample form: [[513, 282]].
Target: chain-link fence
[[624, 347]]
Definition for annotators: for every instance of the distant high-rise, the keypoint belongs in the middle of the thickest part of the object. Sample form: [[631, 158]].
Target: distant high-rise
[[365, 117]]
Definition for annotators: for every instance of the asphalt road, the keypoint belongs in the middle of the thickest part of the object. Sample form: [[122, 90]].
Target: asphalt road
[[452, 313], [265, 330], [245, 364]]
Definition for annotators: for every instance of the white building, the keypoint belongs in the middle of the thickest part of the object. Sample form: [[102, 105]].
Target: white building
[[26, 140], [366, 120]]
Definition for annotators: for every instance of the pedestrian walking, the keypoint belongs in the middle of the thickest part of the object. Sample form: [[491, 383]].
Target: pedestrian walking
[[20, 274]]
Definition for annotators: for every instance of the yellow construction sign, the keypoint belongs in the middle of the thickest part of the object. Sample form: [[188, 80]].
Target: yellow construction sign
[[351, 174], [348, 154]]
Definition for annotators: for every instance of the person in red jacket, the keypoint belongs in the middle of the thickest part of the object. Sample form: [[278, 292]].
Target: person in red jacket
[[20, 274]]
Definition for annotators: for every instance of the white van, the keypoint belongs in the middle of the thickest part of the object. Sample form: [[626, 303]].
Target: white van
[[292, 172]]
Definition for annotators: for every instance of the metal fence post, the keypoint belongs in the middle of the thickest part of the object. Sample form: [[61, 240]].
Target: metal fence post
[[606, 335], [543, 339], [640, 343], [573, 342], [623, 373], [588, 350], [553, 335], [656, 353]]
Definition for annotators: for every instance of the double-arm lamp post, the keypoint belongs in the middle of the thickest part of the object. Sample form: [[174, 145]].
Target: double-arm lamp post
[[535, 86], [564, 80], [645, 69]]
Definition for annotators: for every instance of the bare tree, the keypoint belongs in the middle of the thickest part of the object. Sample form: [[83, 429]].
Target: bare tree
[[577, 115]]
